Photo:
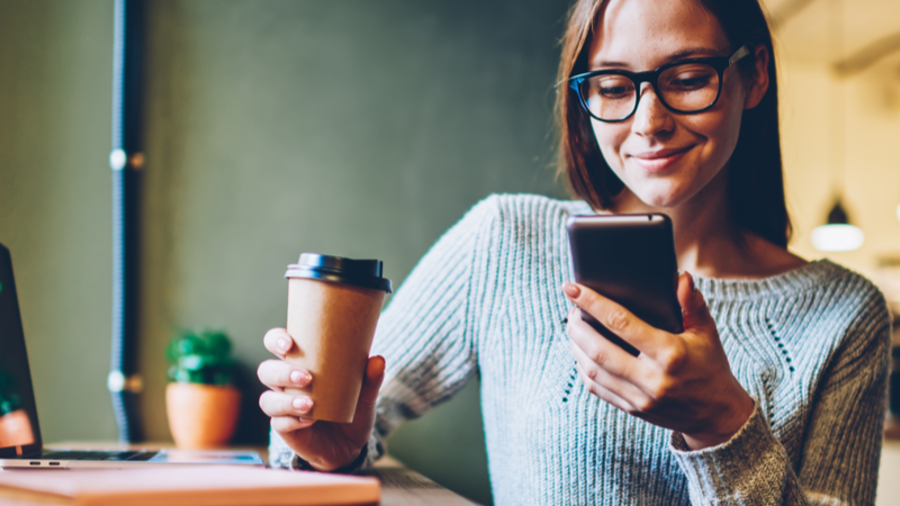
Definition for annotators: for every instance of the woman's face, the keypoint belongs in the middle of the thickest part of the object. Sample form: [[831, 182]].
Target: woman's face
[[665, 159]]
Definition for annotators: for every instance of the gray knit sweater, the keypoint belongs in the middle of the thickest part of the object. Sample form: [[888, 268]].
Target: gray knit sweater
[[810, 345]]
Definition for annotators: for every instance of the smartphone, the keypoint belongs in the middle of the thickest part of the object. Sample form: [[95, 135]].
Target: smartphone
[[629, 258]]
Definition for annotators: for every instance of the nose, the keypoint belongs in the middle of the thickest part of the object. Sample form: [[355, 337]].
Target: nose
[[651, 118]]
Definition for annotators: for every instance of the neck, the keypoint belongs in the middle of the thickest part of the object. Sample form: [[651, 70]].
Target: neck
[[707, 242]]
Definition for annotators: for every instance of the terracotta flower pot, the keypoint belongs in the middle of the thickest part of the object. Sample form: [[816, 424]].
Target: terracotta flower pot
[[15, 429], [201, 416]]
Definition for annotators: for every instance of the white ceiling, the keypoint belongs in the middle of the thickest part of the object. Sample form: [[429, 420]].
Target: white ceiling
[[809, 33]]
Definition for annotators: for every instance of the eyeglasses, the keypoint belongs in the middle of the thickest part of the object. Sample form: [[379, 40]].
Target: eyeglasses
[[684, 86]]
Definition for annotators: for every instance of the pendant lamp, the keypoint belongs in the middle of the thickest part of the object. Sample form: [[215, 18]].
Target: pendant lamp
[[837, 234]]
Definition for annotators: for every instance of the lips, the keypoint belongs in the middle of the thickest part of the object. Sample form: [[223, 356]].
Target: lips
[[660, 160]]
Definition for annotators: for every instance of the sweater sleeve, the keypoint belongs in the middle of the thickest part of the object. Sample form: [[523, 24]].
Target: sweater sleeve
[[842, 450], [426, 334]]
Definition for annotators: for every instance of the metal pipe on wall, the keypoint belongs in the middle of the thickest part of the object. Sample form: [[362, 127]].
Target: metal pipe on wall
[[126, 161]]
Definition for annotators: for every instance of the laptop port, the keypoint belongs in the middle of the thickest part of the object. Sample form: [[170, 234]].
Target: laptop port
[[54, 463], [34, 463]]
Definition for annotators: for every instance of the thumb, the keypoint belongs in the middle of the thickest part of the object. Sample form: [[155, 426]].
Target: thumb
[[368, 395], [693, 305]]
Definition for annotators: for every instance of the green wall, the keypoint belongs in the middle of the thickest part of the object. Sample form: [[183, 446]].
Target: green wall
[[356, 128], [55, 107]]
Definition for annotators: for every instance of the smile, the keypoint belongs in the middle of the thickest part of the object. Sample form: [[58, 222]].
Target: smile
[[658, 161]]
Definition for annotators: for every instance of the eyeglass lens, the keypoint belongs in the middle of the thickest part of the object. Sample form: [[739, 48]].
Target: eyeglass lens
[[685, 88]]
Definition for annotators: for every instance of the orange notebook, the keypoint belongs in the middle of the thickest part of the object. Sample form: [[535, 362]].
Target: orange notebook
[[187, 486]]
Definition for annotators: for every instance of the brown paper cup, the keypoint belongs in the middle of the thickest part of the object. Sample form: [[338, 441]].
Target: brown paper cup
[[332, 325]]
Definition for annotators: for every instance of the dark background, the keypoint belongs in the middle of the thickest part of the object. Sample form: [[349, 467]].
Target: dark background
[[355, 128]]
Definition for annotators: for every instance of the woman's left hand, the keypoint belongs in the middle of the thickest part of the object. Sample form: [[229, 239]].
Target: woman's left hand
[[679, 381]]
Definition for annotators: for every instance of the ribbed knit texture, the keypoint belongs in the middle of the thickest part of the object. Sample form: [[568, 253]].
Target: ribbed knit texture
[[810, 345]]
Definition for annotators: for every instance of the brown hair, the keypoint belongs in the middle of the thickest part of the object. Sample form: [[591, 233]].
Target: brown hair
[[755, 180]]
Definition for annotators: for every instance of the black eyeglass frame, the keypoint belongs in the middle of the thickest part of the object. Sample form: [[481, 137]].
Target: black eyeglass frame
[[719, 63]]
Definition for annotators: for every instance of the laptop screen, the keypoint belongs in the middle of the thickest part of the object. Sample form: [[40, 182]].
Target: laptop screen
[[19, 432]]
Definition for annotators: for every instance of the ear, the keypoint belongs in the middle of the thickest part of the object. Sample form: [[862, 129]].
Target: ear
[[758, 83]]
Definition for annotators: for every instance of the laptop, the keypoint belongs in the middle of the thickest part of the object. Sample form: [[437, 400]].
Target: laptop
[[20, 434]]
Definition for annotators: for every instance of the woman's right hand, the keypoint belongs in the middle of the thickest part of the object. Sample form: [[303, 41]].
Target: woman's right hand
[[325, 445]]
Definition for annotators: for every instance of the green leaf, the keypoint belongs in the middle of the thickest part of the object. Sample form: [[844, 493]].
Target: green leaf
[[222, 376], [188, 345], [217, 344], [200, 357], [9, 396], [191, 362], [183, 376]]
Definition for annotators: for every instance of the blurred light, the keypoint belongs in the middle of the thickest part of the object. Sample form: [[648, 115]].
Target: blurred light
[[118, 159], [838, 234], [837, 237]]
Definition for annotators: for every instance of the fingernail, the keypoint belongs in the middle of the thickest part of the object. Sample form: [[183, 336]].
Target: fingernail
[[302, 404], [572, 290], [300, 377], [283, 344]]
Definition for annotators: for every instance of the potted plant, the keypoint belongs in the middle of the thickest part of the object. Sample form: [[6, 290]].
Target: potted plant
[[201, 400], [15, 425]]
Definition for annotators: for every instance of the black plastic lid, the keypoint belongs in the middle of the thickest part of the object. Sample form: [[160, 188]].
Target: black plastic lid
[[361, 273]]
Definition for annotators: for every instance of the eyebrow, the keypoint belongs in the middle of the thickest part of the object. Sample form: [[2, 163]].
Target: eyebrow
[[680, 55]]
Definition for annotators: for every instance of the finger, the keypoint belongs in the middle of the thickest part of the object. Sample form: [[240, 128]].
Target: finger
[[602, 392], [693, 305], [368, 396], [284, 424], [595, 349], [278, 342], [275, 404], [278, 374], [616, 318], [622, 387]]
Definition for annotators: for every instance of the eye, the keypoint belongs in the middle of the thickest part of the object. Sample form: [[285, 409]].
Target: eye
[[689, 77], [612, 87], [613, 91], [689, 81]]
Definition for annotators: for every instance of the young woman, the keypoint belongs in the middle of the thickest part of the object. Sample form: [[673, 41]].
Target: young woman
[[773, 394]]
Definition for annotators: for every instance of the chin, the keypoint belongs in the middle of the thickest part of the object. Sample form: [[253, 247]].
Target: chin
[[660, 203], [663, 198]]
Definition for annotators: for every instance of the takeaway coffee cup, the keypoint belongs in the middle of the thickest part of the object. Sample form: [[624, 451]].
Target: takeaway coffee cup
[[333, 307]]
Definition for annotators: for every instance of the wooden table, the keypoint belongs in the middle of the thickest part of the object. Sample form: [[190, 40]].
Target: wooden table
[[404, 487], [400, 486], [888, 493]]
